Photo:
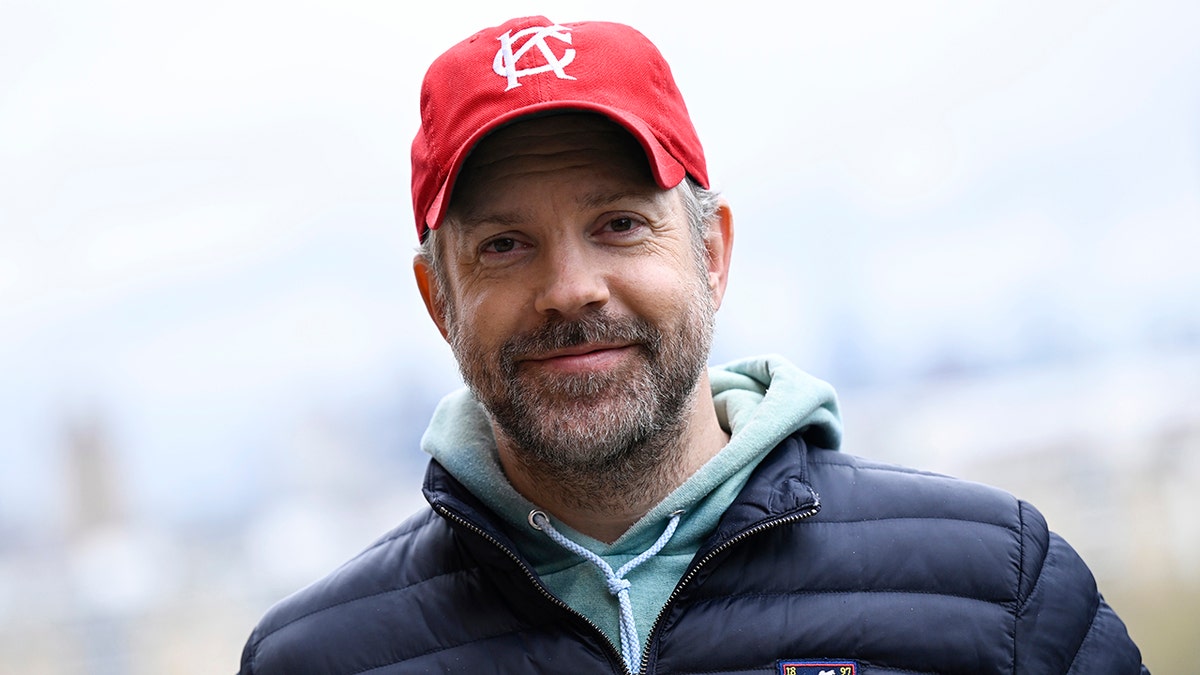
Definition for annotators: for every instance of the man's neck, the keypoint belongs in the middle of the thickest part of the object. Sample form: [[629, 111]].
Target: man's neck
[[604, 507]]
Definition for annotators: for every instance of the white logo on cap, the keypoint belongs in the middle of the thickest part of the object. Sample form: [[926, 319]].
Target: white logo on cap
[[505, 63]]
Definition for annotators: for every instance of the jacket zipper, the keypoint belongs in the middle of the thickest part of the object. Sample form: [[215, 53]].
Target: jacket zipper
[[533, 578], [691, 573]]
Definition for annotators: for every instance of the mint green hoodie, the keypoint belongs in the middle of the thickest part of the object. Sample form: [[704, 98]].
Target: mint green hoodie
[[759, 401]]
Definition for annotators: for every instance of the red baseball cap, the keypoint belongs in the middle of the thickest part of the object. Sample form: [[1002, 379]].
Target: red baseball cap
[[532, 66]]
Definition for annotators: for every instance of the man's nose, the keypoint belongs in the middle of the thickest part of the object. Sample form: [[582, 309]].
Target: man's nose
[[572, 282]]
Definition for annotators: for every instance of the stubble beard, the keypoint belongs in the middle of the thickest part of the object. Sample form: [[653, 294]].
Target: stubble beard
[[597, 440]]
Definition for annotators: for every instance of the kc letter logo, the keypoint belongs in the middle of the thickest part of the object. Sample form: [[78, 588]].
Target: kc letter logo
[[505, 63]]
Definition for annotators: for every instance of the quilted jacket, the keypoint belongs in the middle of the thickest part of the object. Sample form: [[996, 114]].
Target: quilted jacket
[[824, 563]]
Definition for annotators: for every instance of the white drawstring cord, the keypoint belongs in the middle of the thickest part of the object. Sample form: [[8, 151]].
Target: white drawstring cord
[[631, 645]]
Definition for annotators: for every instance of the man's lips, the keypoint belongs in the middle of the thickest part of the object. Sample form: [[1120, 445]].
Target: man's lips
[[580, 357]]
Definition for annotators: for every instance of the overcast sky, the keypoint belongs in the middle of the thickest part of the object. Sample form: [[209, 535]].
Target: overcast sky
[[206, 233]]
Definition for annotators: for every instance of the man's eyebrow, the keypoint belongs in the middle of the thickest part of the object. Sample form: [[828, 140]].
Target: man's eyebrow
[[601, 198], [470, 219]]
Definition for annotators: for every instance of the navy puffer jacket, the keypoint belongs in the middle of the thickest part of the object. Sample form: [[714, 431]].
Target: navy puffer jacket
[[824, 562]]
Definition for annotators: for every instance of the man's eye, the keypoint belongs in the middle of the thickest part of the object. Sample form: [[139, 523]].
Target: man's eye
[[502, 245]]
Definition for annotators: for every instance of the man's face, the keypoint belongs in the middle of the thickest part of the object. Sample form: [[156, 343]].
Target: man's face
[[577, 306]]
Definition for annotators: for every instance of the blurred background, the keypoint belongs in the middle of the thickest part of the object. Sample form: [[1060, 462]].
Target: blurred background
[[980, 221]]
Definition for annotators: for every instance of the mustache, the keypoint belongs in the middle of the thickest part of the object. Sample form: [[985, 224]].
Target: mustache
[[557, 334]]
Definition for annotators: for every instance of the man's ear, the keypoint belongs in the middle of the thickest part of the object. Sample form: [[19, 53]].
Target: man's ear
[[428, 285], [718, 244]]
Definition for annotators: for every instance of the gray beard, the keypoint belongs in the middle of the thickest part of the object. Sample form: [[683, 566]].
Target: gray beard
[[600, 440]]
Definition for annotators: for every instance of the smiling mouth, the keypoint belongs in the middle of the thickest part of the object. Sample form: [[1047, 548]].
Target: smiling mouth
[[576, 351], [582, 357]]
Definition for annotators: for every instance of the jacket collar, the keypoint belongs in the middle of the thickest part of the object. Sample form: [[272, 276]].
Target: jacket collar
[[778, 488]]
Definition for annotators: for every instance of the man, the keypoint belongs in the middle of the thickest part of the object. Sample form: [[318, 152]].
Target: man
[[601, 500]]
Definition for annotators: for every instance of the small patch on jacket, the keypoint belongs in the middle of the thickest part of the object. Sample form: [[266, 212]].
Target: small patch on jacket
[[818, 668]]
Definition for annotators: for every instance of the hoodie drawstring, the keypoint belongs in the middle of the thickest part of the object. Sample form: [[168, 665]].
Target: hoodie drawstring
[[631, 645]]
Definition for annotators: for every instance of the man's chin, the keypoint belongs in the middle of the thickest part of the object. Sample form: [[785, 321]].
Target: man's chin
[[551, 389], [578, 410], [579, 444]]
